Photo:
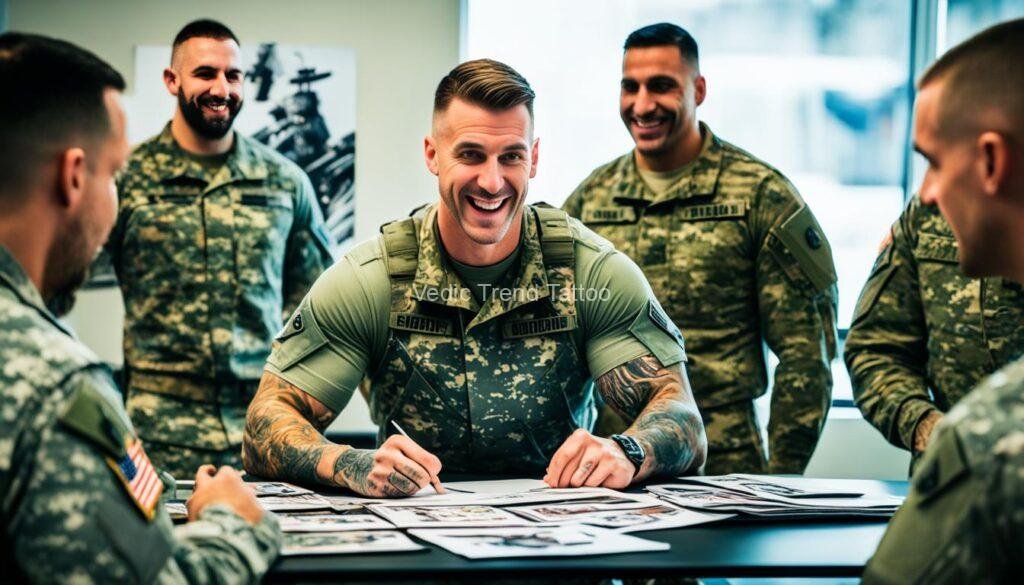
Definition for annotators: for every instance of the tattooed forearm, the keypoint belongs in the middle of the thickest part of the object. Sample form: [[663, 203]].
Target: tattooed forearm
[[664, 415], [284, 433]]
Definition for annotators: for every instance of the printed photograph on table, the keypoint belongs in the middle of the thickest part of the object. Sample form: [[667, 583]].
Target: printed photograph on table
[[299, 100], [331, 543], [569, 540], [446, 516], [330, 522]]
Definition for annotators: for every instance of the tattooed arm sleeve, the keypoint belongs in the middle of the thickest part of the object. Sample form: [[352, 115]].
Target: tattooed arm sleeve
[[284, 439], [665, 418]]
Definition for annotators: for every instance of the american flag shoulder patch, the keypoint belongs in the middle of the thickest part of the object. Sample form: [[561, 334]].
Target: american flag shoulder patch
[[138, 477]]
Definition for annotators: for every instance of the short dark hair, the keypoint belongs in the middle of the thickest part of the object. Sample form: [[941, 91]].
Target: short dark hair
[[203, 28], [665, 33], [486, 83], [52, 98], [983, 73]]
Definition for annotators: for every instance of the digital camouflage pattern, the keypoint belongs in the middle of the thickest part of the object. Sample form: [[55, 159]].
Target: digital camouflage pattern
[[209, 261], [923, 334], [476, 384], [737, 259], [963, 521], [66, 515]]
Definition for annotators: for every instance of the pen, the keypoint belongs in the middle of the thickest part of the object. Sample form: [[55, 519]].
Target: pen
[[434, 480]]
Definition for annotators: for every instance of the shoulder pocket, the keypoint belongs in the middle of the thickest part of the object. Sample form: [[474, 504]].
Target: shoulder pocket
[[942, 467], [91, 417], [805, 242], [658, 333], [299, 338], [936, 248], [873, 288]]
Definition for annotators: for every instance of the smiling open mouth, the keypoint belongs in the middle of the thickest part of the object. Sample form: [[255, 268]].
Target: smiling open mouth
[[487, 205]]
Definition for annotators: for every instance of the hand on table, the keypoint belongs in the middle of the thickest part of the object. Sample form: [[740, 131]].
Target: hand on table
[[398, 468], [586, 460], [223, 486]]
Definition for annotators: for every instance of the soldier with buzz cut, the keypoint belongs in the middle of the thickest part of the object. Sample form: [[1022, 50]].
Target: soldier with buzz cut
[[923, 334], [80, 501], [962, 521], [217, 240], [732, 252], [478, 323]]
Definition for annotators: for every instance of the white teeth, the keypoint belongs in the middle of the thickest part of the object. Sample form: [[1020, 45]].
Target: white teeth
[[648, 123], [488, 205]]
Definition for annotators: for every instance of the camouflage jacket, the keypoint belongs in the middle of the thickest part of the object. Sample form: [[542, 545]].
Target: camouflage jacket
[[209, 266], [67, 511], [736, 257], [962, 521], [923, 334]]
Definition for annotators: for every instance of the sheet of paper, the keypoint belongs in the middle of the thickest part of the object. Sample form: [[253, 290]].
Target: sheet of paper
[[497, 487], [330, 522], [277, 488], [770, 486], [652, 515], [294, 503], [446, 516], [535, 541], [176, 510], [358, 541]]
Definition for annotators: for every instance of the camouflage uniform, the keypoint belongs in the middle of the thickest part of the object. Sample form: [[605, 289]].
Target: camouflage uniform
[[504, 382], [210, 262], [67, 516], [963, 521], [923, 333], [736, 257]]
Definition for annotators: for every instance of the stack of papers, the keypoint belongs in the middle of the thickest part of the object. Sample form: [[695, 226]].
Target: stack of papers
[[772, 497]]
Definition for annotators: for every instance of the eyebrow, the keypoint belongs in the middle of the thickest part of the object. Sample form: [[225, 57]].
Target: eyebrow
[[475, 145], [209, 68]]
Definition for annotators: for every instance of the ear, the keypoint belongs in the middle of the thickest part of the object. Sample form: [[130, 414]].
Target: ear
[[171, 81], [994, 162], [430, 154], [71, 179], [700, 89], [533, 157]]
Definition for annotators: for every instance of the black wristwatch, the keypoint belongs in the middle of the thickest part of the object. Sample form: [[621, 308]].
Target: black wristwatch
[[633, 450]]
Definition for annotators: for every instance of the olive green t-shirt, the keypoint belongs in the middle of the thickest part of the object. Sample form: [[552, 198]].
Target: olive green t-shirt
[[343, 328]]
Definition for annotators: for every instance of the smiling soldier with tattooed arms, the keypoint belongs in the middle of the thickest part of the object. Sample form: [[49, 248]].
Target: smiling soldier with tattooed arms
[[478, 323]]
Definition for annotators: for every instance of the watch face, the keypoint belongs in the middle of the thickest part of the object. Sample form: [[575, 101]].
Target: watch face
[[633, 450]]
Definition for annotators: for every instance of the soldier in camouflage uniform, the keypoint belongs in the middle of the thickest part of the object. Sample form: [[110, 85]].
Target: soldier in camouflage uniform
[[964, 517], [217, 240], [478, 322], [79, 502], [731, 250], [923, 334]]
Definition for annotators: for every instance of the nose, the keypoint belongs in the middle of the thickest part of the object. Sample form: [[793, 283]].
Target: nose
[[490, 178], [927, 193], [220, 87], [643, 104]]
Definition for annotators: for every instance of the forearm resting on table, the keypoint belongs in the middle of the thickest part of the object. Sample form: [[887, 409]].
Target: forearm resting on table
[[284, 437], [665, 417]]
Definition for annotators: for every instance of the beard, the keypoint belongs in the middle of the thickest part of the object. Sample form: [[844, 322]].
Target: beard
[[192, 110], [67, 268]]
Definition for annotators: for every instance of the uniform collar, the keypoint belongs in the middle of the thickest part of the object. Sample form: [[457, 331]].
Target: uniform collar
[[174, 164], [13, 277], [700, 178], [434, 272]]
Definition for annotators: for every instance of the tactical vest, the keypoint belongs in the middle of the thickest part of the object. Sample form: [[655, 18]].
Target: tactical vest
[[496, 390]]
